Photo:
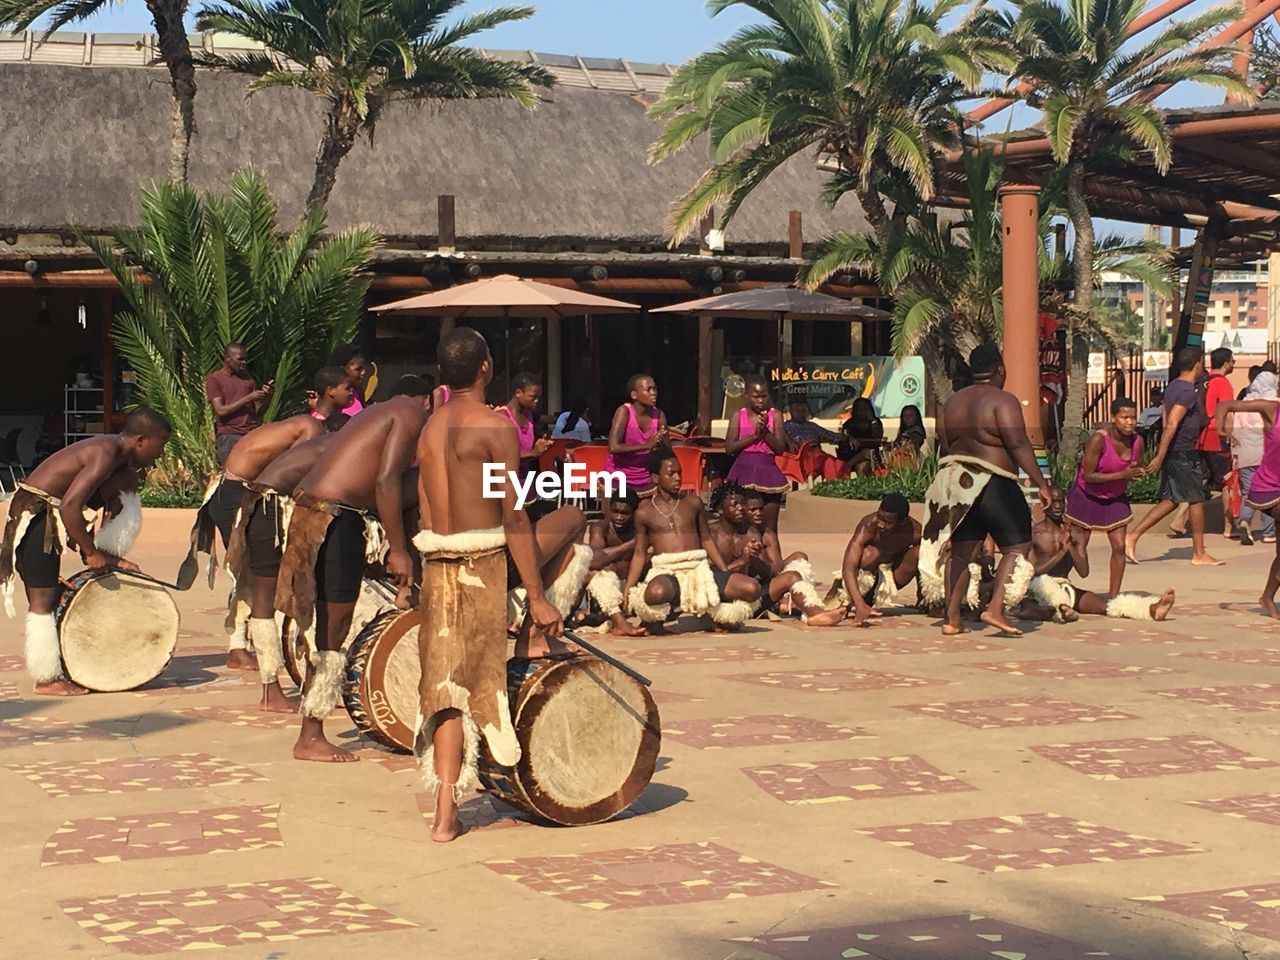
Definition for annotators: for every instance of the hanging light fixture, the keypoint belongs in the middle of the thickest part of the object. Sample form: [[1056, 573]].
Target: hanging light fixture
[[81, 316]]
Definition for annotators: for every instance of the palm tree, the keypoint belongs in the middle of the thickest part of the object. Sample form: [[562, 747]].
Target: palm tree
[[217, 270], [175, 50], [1093, 87], [872, 85], [362, 55]]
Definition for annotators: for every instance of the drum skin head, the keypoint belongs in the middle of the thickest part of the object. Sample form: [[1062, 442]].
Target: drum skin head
[[116, 632], [383, 672], [589, 738]]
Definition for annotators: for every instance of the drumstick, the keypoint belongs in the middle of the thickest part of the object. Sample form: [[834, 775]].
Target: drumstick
[[147, 577], [592, 649]]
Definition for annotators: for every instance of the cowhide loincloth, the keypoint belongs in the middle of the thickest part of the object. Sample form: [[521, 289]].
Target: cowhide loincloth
[[462, 644], [204, 539], [308, 525], [25, 505], [699, 595], [237, 559], [955, 489]]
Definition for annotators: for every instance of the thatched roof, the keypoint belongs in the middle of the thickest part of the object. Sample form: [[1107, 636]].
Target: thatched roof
[[80, 139]]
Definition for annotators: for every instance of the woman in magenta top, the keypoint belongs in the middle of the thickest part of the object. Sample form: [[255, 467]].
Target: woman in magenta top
[[522, 410], [351, 358], [638, 427], [1264, 489], [1099, 497], [755, 435]]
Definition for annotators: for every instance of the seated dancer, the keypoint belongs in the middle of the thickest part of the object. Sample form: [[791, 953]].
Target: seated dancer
[[882, 557], [255, 450], [253, 556], [742, 547], [1055, 554], [976, 494], [613, 541], [47, 511], [1264, 487], [468, 543], [756, 437], [771, 552], [333, 531], [1099, 498], [638, 428], [681, 578]]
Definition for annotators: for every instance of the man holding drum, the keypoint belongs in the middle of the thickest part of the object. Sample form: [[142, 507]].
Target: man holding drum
[[48, 511]]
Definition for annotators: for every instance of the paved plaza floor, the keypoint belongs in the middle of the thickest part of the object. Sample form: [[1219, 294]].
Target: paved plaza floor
[[1105, 789]]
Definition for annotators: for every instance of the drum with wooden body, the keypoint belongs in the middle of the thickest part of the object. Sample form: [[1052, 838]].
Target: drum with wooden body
[[116, 632], [589, 738], [375, 599], [381, 686]]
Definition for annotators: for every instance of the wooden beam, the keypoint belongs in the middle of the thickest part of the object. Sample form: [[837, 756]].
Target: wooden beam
[[1235, 154], [795, 235], [1208, 191], [446, 224]]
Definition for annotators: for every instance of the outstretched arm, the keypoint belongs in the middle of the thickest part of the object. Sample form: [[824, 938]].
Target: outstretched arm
[[849, 568]]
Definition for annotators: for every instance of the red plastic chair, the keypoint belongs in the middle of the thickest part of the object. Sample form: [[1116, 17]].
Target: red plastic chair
[[556, 453], [692, 468], [592, 455]]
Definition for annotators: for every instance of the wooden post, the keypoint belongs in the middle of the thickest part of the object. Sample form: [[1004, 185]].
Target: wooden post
[[786, 333], [704, 374], [1195, 301], [1019, 213], [795, 235], [446, 224], [108, 362], [554, 398]]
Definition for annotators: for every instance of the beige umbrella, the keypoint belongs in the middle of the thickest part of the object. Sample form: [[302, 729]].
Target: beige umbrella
[[506, 296]]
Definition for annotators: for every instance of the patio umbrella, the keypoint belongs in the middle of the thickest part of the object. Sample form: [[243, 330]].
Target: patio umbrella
[[506, 296], [780, 304]]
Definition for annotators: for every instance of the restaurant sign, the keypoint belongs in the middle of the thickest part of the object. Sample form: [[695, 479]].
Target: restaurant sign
[[890, 383]]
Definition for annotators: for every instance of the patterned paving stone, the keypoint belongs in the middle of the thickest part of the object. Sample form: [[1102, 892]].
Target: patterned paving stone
[[1017, 712], [11, 662], [1029, 841], [864, 778], [1248, 698], [1258, 807], [38, 728], [757, 731], [478, 813], [246, 716], [188, 634], [9, 692], [670, 696], [1253, 909], [676, 873], [842, 680], [1112, 634], [967, 937], [75, 778], [183, 833], [1264, 657], [384, 758], [870, 641], [1150, 757], [235, 915], [177, 685], [1070, 668], [1185, 611], [674, 656]]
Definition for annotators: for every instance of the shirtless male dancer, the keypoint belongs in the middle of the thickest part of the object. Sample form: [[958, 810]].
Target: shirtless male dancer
[[467, 541], [333, 531], [742, 547], [613, 540], [1057, 551], [247, 459], [681, 578], [882, 557], [47, 512], [976, 493]]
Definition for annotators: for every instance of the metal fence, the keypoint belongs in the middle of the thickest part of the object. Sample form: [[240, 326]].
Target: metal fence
[[1124, 378]]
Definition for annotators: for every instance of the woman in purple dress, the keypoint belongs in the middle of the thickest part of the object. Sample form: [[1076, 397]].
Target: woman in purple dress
[[755, 435], [1264, 490]]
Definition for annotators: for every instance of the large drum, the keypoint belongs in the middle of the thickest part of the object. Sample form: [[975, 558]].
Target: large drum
[[381, 686], [589, 738], [116, 632], [375, 598]]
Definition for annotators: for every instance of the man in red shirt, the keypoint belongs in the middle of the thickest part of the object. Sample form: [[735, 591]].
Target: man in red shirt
[[236, 398], [1217, 389]]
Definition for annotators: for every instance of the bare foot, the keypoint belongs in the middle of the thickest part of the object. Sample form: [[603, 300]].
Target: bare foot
[[619, 626], [1160, 609], [274, 700], [320, 749], [60, 688], [446, 825], [1204, 560], [825, 618], [1129, 545], [953, 629], [997, 619], [1068, 614], [241, 660], [538, 645], [1269, 605]]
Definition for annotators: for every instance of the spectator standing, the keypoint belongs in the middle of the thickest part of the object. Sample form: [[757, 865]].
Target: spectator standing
[[1246, 436], [1217, 389], [236, 398]]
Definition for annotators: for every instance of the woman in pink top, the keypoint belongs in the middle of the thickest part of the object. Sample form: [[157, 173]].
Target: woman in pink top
[[638, 427], [522, 411], [351, 358], [1264, 490], [756, 436], [1099, 498]]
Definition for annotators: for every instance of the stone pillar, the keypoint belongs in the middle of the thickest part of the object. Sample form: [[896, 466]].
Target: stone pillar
[[1019, 213]]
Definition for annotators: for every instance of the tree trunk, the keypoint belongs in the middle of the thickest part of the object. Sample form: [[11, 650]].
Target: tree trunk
[[935, 366], [1077, 339], [877, 216], [341, 125], [171, 33]]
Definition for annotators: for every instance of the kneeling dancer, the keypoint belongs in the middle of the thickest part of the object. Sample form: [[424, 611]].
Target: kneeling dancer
[[681, 578], [343, 509], [613, 542], [882, 557]]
